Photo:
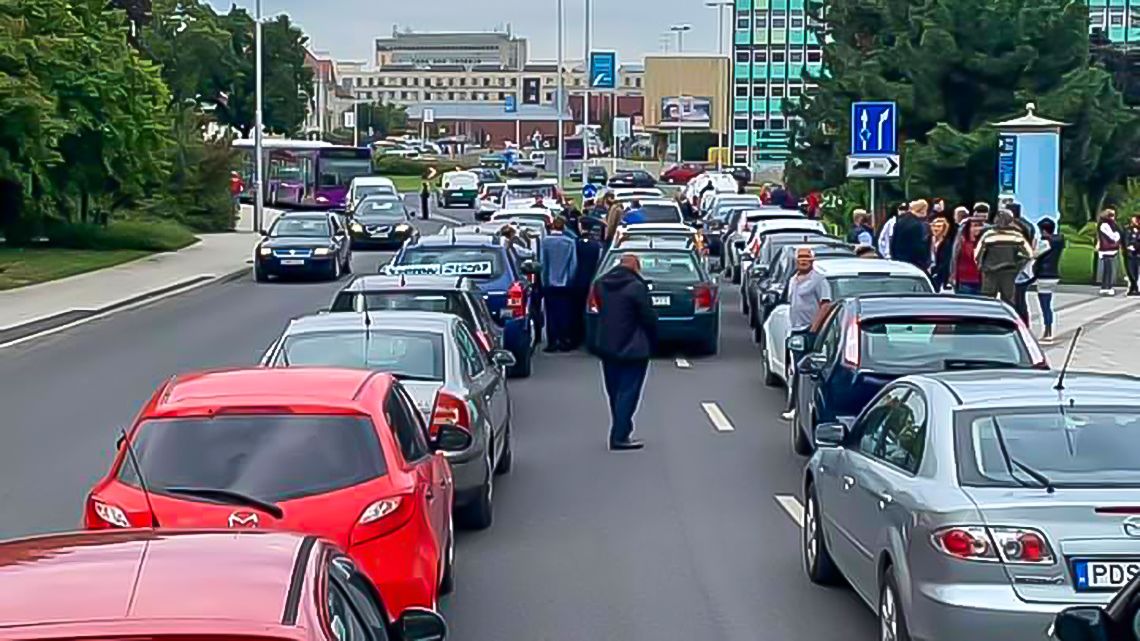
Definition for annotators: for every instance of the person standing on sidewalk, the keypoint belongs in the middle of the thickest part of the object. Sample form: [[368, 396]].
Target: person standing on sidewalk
[[888, 231], [627, 333], [1108, 239], [942, 242], [558, 266], [1047, 269], [1001, 253], [425, 199], [965, 277], [809, 296], [1132, 254]]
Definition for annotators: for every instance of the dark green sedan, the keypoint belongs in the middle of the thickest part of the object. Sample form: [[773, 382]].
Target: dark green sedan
[[684, 295]]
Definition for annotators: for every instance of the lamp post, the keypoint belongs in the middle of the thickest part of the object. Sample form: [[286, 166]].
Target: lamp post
[[259, 165], [721, 6], [561, 90], [589, 27], [680, 30]]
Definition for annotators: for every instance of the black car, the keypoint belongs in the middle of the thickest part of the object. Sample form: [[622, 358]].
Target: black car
[[742, 173], [445, 294], [303, 244], [487, 175], [596, 175], [381, 223], [521, 170], [632, 178]]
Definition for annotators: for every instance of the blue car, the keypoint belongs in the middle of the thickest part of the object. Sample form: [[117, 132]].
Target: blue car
[[867, 342], [498, 272]]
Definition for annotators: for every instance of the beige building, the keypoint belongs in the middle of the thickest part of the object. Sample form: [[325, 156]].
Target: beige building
[[689, 92]]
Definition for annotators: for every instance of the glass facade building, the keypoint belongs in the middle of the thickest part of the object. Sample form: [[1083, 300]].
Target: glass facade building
[[1119, 19]]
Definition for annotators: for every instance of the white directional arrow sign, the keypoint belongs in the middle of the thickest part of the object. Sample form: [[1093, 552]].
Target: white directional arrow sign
[[873, 166]]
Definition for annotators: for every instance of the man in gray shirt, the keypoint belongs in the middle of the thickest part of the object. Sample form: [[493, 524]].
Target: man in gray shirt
[[809, 294]]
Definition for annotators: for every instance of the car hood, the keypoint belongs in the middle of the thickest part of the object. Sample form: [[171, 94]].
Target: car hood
[[380, 220], [295, 242]]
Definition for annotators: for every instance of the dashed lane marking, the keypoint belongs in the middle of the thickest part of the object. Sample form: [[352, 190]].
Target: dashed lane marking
[[792, 506], [716, 415], [683, 363]]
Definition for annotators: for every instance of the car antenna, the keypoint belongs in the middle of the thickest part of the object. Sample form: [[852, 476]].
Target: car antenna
[[368, 325], [1068, 359], [142, 481], [402, 282]]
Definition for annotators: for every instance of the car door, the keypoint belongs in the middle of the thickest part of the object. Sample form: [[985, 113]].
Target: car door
[[339, 238], [813, 385], [433, 483], [486, 386]]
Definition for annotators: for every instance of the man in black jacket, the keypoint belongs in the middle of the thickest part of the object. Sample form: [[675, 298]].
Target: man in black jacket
[[910, 241], [626, 334]]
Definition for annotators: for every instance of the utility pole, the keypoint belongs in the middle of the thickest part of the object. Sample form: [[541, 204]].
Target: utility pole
[[725, 117], [586, 73], [680, 30], [259, 162], [561, 90]]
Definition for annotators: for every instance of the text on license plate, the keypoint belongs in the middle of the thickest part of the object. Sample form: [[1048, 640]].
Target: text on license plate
[[380, 234], [1104, 575], [660, 301], [292, 261]]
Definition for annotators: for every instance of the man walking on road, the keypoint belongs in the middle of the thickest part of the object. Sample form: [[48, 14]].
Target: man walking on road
[[627, 332], [558, 267], [809, 295]]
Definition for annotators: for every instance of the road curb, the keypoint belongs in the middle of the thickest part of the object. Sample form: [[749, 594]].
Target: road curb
[[67, 319]]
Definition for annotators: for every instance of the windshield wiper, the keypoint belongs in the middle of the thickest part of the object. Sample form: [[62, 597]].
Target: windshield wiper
[[229, 497], [977, 363], [1011, 462]]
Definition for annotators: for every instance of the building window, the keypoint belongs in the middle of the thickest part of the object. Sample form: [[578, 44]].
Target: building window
[[742, 56], [814, 54], [550, 96], [1116, 17], [777, 91], [795, 90], [761, 20], [760, 55], [637, 81], [740, 124], [797, 22], [779, 55], [357, 81], [779, 19], [741, 91], [758, 124], [796, 57], [760, 91], [742, 22], [502, 96], [1096, 16], [777, 124], [1134, 17]]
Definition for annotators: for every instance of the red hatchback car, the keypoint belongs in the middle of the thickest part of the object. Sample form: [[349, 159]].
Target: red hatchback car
[[341, 454], [151, 584], [681, 174]]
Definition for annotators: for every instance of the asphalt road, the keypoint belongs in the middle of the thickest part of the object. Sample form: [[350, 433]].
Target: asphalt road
[[682, 540]]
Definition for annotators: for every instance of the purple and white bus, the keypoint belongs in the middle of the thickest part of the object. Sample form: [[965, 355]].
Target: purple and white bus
[[304, 173]]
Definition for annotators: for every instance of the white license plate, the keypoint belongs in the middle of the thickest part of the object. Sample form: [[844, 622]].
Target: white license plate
[[1104, 575], [292, 261], [660, 301], [381, 234]]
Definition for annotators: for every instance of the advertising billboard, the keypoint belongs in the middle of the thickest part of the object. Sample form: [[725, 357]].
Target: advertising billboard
[[686, 111]]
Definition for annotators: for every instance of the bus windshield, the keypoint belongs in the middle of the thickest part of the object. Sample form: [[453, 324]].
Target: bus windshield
[[337, 171]]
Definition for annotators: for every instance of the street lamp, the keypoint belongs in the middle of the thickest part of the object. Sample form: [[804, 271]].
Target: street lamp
[[561, 89], [680, 30], [721, 6], [259, 165], [589, 27]]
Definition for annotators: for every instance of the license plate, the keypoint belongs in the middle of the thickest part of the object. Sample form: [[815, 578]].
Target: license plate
[[292, 261], [381, 234], [660, 301], [1104, 575]]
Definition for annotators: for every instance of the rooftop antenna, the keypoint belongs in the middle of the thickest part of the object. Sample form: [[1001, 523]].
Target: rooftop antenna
[[402, 283], [368, 325], [1068, 359], [142, 481]]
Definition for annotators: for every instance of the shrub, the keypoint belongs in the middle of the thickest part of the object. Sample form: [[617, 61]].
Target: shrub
[[396, 166], [145, 235]]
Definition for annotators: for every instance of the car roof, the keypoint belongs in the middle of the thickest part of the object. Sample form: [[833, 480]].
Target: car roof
[[657, 200], [650, 228], [865, 266], [654, 243], [368, 181], [328, 387], [382, 282], [495, 184], [1022, 387], [884, 305], [458, 240], [522, 211], [380, 319], [532, 182], [124, 577], [320, 215]]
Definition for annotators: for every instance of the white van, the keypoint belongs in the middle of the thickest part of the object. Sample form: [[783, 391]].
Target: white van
[[363, 186]]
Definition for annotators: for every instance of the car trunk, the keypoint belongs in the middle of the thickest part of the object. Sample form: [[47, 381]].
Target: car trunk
[[423, 393], [1080, 526], [671, 300]]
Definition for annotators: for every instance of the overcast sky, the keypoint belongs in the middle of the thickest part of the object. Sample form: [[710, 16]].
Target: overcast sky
[[634, 28]]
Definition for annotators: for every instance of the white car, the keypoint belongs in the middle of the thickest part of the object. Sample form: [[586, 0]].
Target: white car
[[538, 214], [720, 183], [460, 187], [847, 277], [657, 210], [490, 200], [538, 158], [525, 192], [714, 199], [626, 194], [739, 229], [363, 186]]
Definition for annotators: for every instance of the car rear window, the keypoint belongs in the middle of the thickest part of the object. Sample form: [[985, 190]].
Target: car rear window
[[667, 267], [461, 181], [403, 300], [916, 343], [272, 457], [850, 286], [412, 355], [655, 213], [448, 260], [1089, 447], [364, 191], [529, 192]]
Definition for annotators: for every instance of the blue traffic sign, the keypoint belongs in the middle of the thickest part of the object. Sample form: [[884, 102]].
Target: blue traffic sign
[[603, 69], [1007, 164], [589, 190], [510, 105], [873, 128]]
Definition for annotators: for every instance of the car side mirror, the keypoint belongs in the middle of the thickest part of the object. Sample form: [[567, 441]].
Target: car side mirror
[[529, 267], [1081, 623], [503, 358], [759, 271], [830, 434], [797, 343], [419, 624], [449, 437], [812, 364]]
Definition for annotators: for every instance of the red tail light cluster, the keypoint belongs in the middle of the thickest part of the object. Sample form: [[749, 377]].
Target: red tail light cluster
[[703, 298], [450, 409], [382, 517], [993, 544], [516, 300], [593, 302], [851, 346]]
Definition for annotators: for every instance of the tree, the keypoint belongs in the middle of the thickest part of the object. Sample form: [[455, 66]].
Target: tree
[[195, 49], [955, 67]]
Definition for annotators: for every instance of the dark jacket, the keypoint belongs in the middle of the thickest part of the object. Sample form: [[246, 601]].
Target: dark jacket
[[1048, 265], [687, 211], [626, 324], [943, 256], [910, 241], [589, 253], [1132, 240]]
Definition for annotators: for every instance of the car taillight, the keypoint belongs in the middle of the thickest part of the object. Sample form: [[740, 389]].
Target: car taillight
[[593, 302], [450, 409], [992, 544], [382, 517], [702, 298], [103, 515], [851, 346], [516, 300], [1035, 353], [484, 340]]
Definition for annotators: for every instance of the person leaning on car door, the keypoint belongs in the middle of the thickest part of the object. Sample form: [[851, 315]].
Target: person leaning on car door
[[809, 296]]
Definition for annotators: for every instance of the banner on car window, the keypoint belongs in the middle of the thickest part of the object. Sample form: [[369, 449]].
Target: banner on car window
[[478, 268]]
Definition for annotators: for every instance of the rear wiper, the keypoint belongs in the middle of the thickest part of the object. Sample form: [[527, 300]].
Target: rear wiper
[[976, 363], [1011, 462], [230, 497]]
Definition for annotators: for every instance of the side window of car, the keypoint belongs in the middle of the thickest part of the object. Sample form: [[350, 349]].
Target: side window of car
[[869, 430], [343, 621], [904, 436], [354, 612], [469, 351], [406, 426], [829, 335]]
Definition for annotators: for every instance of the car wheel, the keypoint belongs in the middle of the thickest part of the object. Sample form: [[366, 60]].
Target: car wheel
[[770, 379], [892, 621], [479, 514], [522, 366], [818, 564], [447, 578], [506, 461], [259, 274]]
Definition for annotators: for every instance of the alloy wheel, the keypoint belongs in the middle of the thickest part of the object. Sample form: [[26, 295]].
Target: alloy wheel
[[811, 534], [888, 615]]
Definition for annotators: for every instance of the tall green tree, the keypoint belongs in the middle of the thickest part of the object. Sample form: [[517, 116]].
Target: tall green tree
[[955, 67]]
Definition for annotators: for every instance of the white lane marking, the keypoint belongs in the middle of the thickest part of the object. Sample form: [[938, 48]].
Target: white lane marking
[[683, 363], [191, 286], [719, 420], [446, 219], [792, 506]]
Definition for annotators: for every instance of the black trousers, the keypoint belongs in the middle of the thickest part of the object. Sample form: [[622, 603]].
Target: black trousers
[[424, 202], [624, 381], [559, 305], [1132, 263]]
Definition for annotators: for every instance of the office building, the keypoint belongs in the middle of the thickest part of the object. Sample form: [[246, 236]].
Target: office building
[[1118, 19], [495, 48]]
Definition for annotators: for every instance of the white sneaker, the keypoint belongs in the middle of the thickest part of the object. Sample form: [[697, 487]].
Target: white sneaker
[[1106, 292], [1112, 292], [789, 415]]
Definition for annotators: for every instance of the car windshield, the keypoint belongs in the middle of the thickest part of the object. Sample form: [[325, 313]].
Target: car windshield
[[665, 267], [382, 209], [922, 344], [661, 213], [246, 453], [445, 302], [364, 191], [417, 355], [859, 285], [1071, 448], [302, 227], [476, 262]]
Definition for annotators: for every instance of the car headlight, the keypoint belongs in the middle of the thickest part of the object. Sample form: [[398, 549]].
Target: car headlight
[[403, 228], [264, 251], [321, 251], [357, 227]]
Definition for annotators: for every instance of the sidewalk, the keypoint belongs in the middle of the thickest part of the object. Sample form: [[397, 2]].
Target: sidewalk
[[1110, 336], [48, 305]]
